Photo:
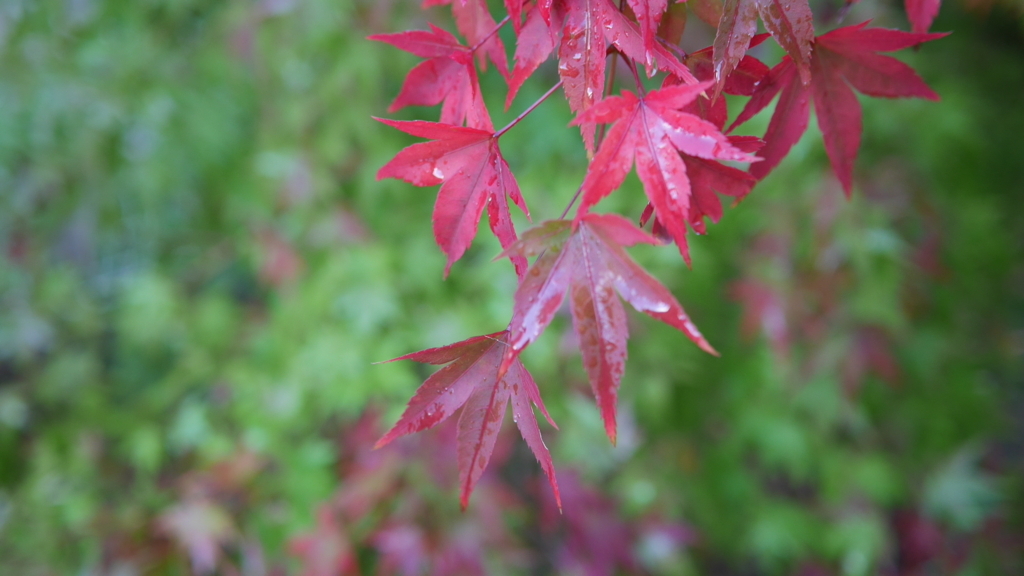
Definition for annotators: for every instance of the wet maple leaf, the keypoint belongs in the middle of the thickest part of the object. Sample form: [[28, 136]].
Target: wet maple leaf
[[741, 81], [625, 36], [654, 130], [790, 22], [842, 58], [581, 59], [589, 26], [710, 176], [468, 165], [470, 380], [648, 15], [447, 77], [586, 258]]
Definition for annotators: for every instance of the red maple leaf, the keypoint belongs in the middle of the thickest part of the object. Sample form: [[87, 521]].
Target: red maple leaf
[[625, 35], [922, 13], [841, 58], [589, 26], [535, 42], [586, 257], [474, 21], [648, 15], [468, 165], [710, 176], [581, 59], [741, 81], [654, 130], [447, 77], [471, 380], [790, 22]]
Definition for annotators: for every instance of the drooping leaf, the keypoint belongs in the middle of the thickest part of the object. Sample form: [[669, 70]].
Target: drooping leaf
[[586, 258], [471, 381], [468, 165], [842, 58], [790, 22], [447, 77], [654, 130]]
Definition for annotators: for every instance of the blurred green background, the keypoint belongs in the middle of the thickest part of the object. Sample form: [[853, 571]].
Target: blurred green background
[[198, 269]]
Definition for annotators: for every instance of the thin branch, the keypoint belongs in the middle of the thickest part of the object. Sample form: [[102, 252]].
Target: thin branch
[[526, 112], [491, 33], [575, 197]]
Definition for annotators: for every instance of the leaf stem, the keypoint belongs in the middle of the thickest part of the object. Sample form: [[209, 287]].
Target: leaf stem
[[575, 197], [491, 33], [526, 112]]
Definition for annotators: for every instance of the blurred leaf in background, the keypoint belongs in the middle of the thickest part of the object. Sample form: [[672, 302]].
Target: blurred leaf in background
[[199, 269]]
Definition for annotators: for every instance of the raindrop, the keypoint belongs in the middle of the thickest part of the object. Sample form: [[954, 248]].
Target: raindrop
[[438, 173]]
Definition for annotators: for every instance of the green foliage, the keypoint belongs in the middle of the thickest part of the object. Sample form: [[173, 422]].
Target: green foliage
[[198, 270]]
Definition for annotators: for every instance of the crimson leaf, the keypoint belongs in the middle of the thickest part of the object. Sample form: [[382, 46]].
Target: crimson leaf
[[710, 176], [589, 26], [841, 58], [581, 59], [534, 44], [790, 22], [468, 165], [447, 76], [654, 130], [471, 380], [586, 257], [648, 14]]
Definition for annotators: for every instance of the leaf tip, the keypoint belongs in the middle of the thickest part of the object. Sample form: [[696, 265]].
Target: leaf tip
[[384, 441]]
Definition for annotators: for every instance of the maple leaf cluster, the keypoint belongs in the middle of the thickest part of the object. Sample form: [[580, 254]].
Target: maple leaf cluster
[[676, 137]]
